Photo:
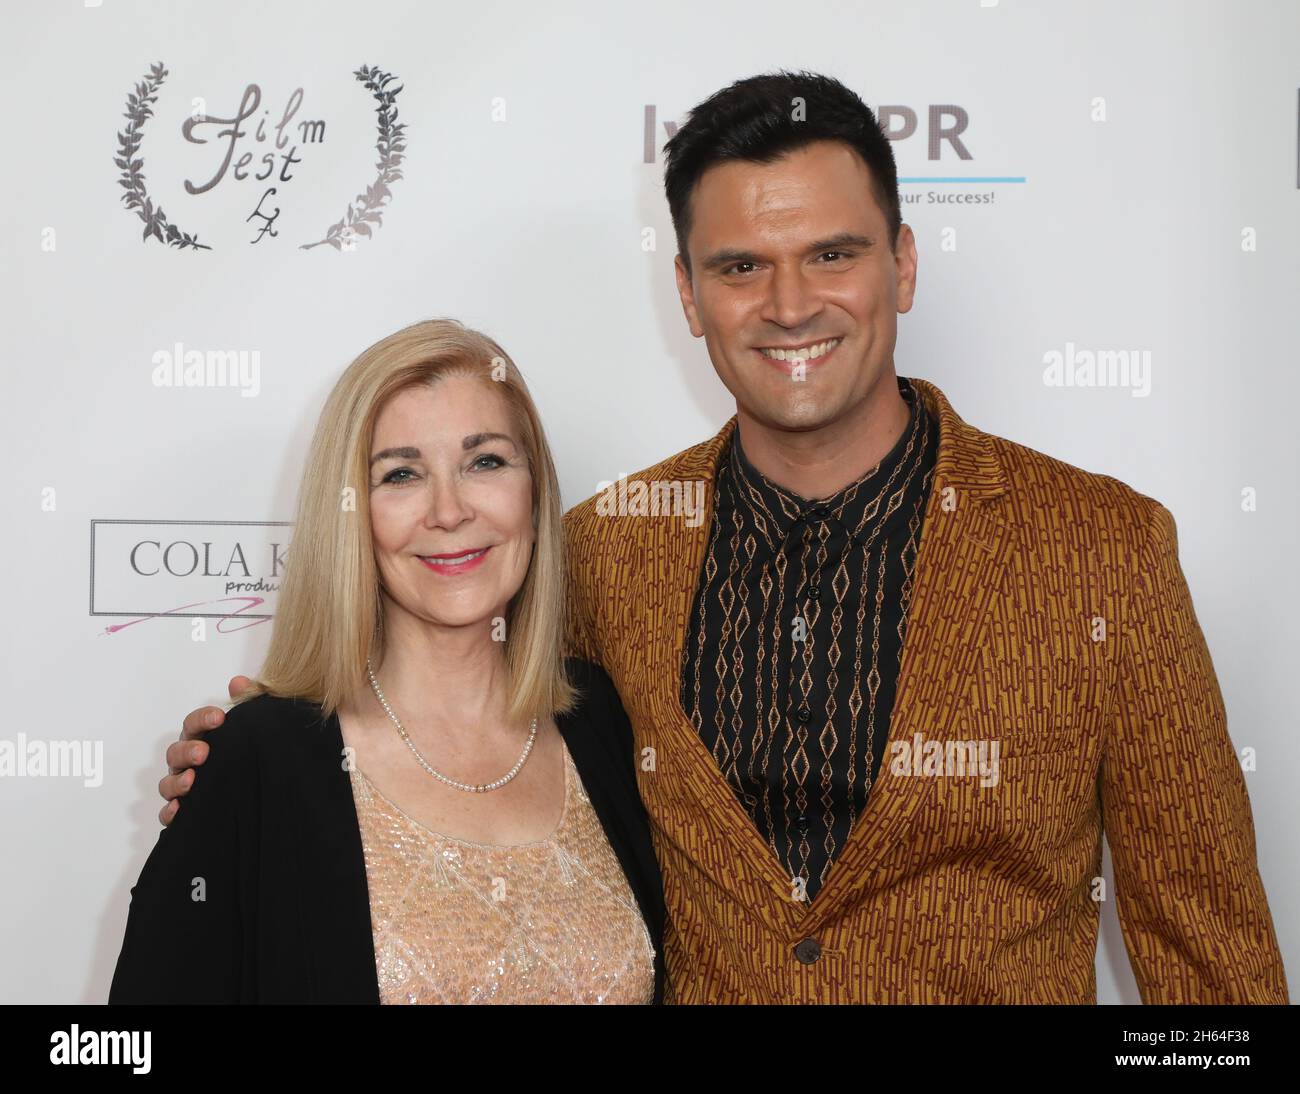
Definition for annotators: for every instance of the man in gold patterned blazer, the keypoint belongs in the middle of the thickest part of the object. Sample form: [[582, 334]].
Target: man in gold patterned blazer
[[842, 815]]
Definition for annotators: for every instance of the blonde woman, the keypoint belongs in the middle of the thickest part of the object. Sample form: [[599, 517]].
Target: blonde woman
[[419, 799]]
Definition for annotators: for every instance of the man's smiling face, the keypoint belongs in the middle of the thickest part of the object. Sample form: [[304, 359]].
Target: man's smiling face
[[792, 260]]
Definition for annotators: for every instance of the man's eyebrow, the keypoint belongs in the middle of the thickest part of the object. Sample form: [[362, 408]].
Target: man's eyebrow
[[406, 452], [728, 256], [842, 239]]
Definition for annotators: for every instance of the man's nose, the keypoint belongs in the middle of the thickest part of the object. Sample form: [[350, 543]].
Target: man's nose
[[791, 299]]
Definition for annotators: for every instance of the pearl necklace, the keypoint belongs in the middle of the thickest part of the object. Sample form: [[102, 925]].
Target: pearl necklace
[[471, 788]]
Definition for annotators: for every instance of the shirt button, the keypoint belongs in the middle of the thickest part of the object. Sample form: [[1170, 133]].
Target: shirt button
[[808, 951], [802, 714], [814, 590]]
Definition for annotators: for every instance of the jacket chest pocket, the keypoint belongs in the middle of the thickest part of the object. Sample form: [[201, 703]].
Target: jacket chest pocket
[[1032, 800], [1038, 700]]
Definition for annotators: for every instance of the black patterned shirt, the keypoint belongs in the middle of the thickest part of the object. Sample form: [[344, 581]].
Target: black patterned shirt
[[796, 638]]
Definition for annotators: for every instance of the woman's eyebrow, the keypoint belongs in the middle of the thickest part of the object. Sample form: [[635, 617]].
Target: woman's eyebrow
[[404, 453], [407, 452], [476, 439]]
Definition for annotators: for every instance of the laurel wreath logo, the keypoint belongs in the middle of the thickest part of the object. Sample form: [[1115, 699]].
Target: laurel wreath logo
[[358, 219], [390, 146], [156, 224]]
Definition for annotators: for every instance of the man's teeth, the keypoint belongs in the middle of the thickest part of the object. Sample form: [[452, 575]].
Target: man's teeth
[[803, 353], [454, 561]]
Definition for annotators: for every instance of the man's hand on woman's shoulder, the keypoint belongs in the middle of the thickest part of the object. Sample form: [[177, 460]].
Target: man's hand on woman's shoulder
[[189, 752]]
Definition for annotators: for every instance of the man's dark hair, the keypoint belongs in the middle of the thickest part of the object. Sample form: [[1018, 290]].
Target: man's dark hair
[[755, 119]]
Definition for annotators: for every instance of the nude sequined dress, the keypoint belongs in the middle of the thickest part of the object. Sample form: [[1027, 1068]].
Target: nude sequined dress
[[459, 922]]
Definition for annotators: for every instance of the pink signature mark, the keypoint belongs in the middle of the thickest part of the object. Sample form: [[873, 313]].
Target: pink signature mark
[[248, 602]]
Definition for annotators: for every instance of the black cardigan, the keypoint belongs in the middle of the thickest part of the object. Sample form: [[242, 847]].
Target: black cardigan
[[271, 829]]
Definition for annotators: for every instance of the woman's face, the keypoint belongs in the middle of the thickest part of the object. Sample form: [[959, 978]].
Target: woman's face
[[450, 502]]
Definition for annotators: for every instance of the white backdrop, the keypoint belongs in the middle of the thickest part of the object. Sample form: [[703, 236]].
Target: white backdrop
[[1157, 212]]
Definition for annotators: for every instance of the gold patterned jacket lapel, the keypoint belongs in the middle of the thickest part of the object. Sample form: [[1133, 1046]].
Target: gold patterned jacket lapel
[[965, 544], [747, 868]]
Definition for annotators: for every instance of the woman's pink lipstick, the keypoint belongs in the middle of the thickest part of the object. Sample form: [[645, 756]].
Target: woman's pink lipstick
[[472, 563]]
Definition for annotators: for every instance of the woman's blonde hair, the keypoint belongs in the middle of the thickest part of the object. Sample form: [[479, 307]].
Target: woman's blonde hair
[[329, 619]]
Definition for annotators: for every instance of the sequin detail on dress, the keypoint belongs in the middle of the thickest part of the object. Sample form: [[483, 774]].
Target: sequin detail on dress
[[553, 921]]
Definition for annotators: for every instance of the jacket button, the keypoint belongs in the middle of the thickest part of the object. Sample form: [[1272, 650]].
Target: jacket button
[[808, 951]]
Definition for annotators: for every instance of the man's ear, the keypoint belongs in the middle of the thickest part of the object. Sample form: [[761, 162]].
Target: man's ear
[[686, 291], [905, 260]]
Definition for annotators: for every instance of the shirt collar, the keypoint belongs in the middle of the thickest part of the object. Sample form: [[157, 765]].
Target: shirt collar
[[857, 508]]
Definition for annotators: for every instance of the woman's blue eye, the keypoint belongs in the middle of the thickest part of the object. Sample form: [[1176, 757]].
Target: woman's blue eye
[[409, 476]]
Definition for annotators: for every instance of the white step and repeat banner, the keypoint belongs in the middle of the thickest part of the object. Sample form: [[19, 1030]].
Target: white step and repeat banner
[[1083, 178]]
